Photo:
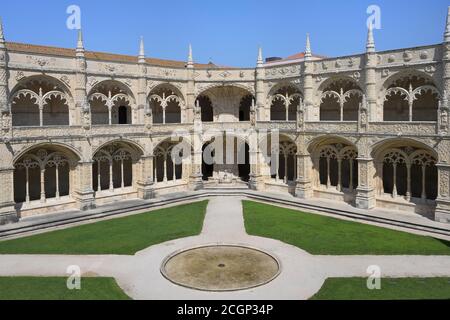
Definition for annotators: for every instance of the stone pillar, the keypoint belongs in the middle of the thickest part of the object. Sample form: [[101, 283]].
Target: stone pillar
[[261, 111], [442, 212], [7, 211], [145, 181], [255, 182], [83, 191], [82, 108], [446, 57], [365, 193], [312, 114], [370, 78], [195, 179], [190, 89], [142, 103], [303, 188], [5, 108]]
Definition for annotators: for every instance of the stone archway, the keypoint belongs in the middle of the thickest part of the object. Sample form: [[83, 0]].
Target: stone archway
[[113, 167], [45, 172], [225, 158], [40, 101]]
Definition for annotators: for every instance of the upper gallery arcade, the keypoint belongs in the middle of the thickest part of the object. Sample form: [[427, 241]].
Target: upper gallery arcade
[[80, 129]]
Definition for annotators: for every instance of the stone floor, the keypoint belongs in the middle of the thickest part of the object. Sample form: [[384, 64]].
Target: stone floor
[[302, 274]]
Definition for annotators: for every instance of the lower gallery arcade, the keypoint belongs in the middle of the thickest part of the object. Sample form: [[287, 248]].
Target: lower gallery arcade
[[46, 177]]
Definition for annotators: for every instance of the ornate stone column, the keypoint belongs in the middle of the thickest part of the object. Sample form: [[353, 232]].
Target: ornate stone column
[[195, 179], [442, 213], [370, 78], [255, 182], [145, 181], [308, 87], [365, 192], [83, 191], [5, 110], [83, 112], [7, 211], [259, 89], [303, 188], [190, 90]]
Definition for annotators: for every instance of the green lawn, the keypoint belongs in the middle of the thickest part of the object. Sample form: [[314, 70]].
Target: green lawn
[[329, 236], [55, 288], [125, 235], [391, 289]]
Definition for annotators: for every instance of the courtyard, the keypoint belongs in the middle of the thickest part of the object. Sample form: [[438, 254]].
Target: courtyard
[[316, 256]]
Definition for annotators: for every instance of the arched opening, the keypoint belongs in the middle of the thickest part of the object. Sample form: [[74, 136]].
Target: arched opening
[[123, 115], [166, 105], [244, 163], [206, 109], [40, 102], [284, 103], [112, 167], [110, 103], [336, 165], [244, 108], [340, 100], [207, 166], [168, 161], [43, 173], [409, 172], [229, 103], [226, 159], [411, 98]]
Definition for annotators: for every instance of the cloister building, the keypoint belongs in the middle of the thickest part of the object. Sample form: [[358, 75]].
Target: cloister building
[[80, 129]]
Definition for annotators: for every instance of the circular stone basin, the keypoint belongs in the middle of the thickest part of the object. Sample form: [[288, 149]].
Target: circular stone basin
[[220, 268]]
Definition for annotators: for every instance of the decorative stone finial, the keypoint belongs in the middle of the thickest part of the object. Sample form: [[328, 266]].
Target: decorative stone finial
[[2, 36], [370, 45], [190, 63], [308, 53], [447, 27], [141, 57], [80, 46], [260, 61]]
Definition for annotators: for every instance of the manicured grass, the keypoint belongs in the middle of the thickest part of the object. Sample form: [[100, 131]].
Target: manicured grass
[[329, 236], [391, 289], [55, 288], [125, 235]]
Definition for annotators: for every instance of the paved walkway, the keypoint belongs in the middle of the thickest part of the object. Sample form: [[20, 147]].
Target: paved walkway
[[302, 274]]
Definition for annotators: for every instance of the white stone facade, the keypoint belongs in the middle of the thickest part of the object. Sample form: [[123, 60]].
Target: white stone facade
[[80, 129]]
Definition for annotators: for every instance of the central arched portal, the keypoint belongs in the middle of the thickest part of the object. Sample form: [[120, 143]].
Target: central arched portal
[[225, 159]]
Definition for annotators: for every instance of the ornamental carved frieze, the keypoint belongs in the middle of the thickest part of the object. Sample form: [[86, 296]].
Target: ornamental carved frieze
[[293, 70], [40, 61]]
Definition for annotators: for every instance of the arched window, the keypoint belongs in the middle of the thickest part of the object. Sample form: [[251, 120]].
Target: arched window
[[166, 106], [409, 173], [41, 175], [340, 101], [110, 104], [411, 98], [338, 167], [284, 104], [40, 102], [206, 109], [112, 168], [244, 108], [168, 168]]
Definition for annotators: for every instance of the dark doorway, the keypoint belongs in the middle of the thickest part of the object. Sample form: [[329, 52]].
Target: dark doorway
[[244, 168], [207, 169], [123, 115]]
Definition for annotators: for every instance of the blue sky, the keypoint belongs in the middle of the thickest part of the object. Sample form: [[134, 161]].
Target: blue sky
[[228, 32]]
